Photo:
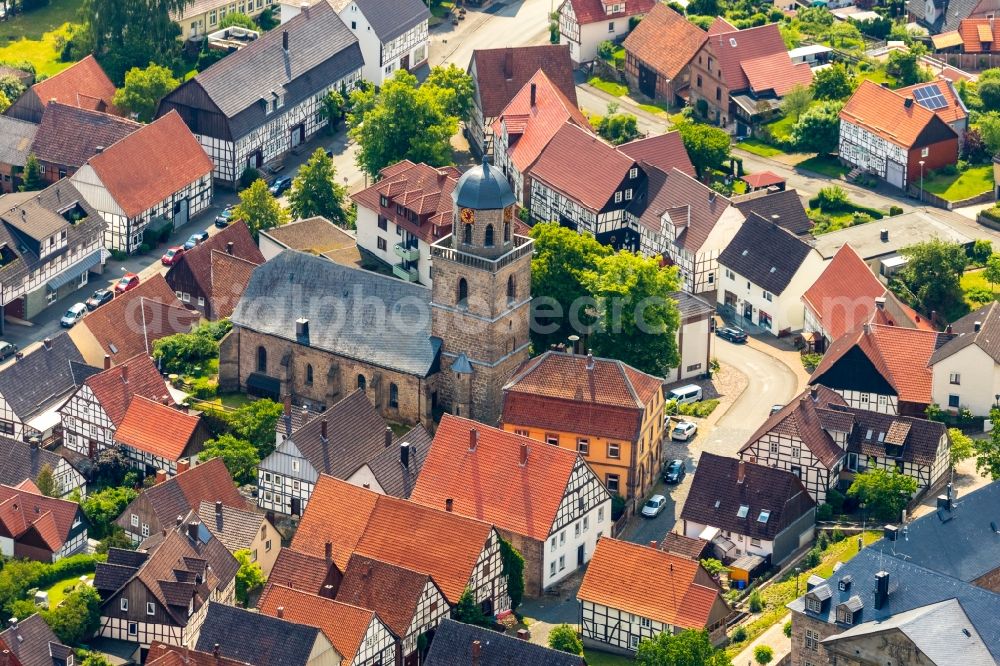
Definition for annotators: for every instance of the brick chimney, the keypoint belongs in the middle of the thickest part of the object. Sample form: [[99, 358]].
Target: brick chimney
[[477, 650], [449, 504], [524, 454], [280, 612], [388, 437], [473, 439], [161, 476], [653, 544], [183, 465], [741, 471], [107, 361]]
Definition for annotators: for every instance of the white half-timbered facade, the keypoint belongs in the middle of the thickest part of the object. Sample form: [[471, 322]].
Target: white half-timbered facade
[[87, 428], [432, 607], [285, 480], [790, 453], [584, 24], [488, 582]]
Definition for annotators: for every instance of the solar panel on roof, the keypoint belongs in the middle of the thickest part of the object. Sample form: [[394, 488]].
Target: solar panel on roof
[[930, 97]]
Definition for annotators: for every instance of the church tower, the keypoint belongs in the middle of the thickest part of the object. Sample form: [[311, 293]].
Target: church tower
[[481, 296]]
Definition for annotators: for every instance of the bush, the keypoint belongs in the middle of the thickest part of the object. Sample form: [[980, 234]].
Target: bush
[[835, 499], [837, 535], [606, 50], [739, 634], [979, 295], [822, 541], [831, 198], [787, 629], [895, 210], [144, 248], [208, 57], [812, 559], [617, 506], [810, 361], [756, 603], [204, 388], [563, 637], [824, 512], [763, 654], [981, 251], [249, 176]]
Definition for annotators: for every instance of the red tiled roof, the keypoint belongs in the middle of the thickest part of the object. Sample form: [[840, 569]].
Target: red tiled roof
[[156, 428], [901, 355], [70, 136], [400, 532], [161, 654], [594, 11], [663, 151], [844, 294], [803, 418], [531, 127], [392, 592], [671, 596], [300, 571], [344, 625], [423, 189], [151, 164], [22, 510], [581, 166], [490, 483], [776, 72], [84, 85], [720, 25], [734, 47], [955, 110], [883, 112], [114, 392], [977, 32], [762, 179], [500, 73], [665, 40], [228, 278], [556, 391]]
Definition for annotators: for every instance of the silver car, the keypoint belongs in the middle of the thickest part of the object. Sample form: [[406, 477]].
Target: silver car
[[654, 507], [73, 315]]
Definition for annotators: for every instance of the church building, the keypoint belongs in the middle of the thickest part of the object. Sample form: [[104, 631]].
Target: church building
[[316, 331]]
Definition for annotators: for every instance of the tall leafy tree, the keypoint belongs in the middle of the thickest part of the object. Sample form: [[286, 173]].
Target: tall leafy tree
[[933, 273], [77, 617], [904, 66], [688, 648], [255, 422], [46, 481], [31, 177], [103, 506], [468, 611], [988, 87], [796, 101], [992, 270], [259, 209], [402, 120], [458, 82], [144, 88], [884, 493], [833, 83], [618, 128], [249, 577], [707, 146], [315, 190], [818, 129], [962, 446], [637, 316], [131, 34], [988, 450], [239, 455]]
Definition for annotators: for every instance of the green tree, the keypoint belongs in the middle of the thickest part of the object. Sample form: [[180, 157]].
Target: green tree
[[186, 353], [456, 80], [131, 34], [833, 83], [94, 659], [564, 638], [4, 102], [46, 481], [11, 87], [688, 648], [110, 467], [763, 654], [77, 617], [818, 129], [238, 19], [315, 190], [981, 250], [259, 209], [988, 450], [934, 272], [962, 446], [796, 101], [884, 493], [255, 422], [240, 456], [904, 66], [249, 577], [402, 120], [332, 109], [713, 566], [707, 146], [513, 569], [103, 506], [144, 88], [468, 611], [844, 34], [31, 177], [618, 128], [704, 8], [561, 259], [637, 316], [988, 126], [988, 88], [992, 270]]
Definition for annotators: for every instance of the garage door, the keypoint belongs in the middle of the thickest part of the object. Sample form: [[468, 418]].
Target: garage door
[[894, 173]]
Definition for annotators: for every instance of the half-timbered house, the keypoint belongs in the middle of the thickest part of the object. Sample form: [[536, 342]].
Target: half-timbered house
[[26, 460], [633, 592], [37, 527], [584, 24], [158, 507], [358, 634], [156, 437], [156, 177], [96, 409], [31, 642], [460, 644], [544, 499], [345, 520], [395, 469], [164, 594], [50, 243], [253, 106], [33, 388], [258, 638], [658, 52], [745, 509]]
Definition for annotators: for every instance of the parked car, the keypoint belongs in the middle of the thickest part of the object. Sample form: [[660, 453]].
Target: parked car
[[223, 219], [281, 185], [683, 431], [99, 298], [7, 349], [73, 315], [733, 334], [194, 239], [128, 282], [654, 506], [674, 472], [172, 256]]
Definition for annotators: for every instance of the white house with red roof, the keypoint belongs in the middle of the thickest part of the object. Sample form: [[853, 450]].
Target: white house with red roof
[[403, 213], [584, 24], [37, 527], [157, 437], [157, 177]]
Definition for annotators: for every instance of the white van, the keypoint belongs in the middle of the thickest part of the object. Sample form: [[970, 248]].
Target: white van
[[683, 395]]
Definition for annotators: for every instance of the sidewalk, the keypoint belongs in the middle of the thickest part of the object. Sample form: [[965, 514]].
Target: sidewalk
[[774, 637]]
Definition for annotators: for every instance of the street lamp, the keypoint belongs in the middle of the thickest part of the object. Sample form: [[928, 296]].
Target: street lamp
[[921, 180], [996, 400], [797, 570]]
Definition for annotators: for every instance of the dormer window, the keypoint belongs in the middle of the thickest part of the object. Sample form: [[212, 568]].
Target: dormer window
[[849, 612], [763, 517], [383, 201], [743, 511], [817, 598], [845, 584]]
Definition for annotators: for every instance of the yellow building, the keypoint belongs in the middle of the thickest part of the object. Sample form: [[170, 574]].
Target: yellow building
[[605, 409], [201, 17]]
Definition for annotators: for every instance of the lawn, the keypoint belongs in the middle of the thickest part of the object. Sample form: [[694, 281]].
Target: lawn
[[227, 400], [974, 281], [36, 35], [59, 591], [610, 87], [877, 76], [969, 183], [441, 9], [598, 658], [758, 147], [655, 107], [781, 128], [826, 165]]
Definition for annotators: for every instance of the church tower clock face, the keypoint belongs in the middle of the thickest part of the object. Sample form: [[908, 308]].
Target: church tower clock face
[[468, 216]]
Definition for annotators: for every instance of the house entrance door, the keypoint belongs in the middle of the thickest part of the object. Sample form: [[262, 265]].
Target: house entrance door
[[296, 506], [405, 62], [298, 135], [581, 554], [748, 311], [647, 81]]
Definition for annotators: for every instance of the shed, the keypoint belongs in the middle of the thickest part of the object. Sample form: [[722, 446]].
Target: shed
[[746, 568]]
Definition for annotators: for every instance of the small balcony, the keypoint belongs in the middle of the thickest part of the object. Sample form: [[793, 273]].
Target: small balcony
[[404, 273], [406, 253]]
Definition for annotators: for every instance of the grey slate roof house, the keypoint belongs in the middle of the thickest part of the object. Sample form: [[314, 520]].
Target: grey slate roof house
[[318, 330], [458, 644], [396, 472], [256, 638], [32, 643], [33, 388], [16, 137], [945, 15], [21, 460], [255, 105], [783, 208]]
